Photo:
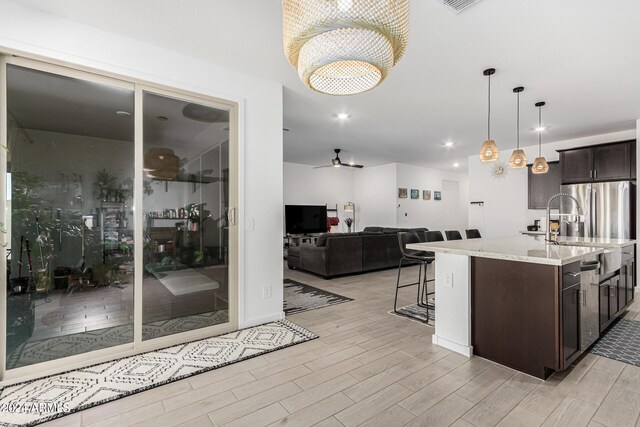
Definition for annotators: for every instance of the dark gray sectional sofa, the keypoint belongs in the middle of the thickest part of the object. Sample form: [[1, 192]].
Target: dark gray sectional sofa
[[335, 254]]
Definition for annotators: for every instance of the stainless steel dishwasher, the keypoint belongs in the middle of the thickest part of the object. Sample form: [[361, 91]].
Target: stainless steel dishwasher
[[589, 301]]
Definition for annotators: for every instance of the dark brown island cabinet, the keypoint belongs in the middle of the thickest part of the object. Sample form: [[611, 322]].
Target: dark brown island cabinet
[[534, 317], [615, 161]]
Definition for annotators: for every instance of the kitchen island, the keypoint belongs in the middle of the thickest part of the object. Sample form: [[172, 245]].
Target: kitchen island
[[520, 301]]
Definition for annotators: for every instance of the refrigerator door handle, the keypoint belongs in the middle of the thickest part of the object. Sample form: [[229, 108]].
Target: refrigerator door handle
[[594, 212]]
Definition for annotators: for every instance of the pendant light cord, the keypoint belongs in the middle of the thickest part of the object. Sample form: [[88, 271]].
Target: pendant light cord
[[489, 111], [539, 131], [518, 124]]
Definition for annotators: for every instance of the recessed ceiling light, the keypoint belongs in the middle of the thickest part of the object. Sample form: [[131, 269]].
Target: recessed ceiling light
[[343, 116], [540, 129], [123, 113], [448, 144], [456, 165]]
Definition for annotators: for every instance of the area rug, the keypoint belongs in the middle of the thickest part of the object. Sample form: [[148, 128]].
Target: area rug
[[418, 313], [52, 397], [621, 342], [299, 297], [43, 350], [187, 281]]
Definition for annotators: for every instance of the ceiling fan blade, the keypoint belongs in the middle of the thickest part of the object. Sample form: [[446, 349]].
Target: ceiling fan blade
[[352, 166], [325, 166]]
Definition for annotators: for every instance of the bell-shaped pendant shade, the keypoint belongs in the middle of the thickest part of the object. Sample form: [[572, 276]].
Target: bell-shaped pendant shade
[[489, 151], [518, 159], [540, 165]]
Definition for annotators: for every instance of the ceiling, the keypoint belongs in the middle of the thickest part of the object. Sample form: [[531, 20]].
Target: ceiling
[[54, 103], [580, 56]]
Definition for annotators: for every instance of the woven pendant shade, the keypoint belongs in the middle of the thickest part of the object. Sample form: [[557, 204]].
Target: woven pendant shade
[[161, 163], [344, 47], [540, 166], [489, 151], [518, 159]]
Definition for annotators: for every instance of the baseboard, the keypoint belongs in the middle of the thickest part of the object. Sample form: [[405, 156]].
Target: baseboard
[[261, 320], [450, 345]]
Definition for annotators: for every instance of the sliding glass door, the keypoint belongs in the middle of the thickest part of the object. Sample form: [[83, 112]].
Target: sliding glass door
[[119, 217], [69, 210], [186, 203]]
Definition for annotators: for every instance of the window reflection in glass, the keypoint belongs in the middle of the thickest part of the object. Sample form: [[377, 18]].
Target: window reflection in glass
[[70, 216], [186, 170]]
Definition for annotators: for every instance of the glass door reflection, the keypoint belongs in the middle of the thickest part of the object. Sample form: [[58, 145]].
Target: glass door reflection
[[69, 216], [185, 203]]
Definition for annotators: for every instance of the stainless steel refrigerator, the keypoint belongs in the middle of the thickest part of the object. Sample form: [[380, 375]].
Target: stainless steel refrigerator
[[608, 208]]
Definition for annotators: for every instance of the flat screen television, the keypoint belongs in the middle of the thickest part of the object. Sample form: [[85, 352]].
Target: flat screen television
[[304, 219]]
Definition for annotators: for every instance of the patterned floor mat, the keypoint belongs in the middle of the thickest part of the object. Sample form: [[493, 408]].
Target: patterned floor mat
[[620, 342], [44, 399], [299, 297]]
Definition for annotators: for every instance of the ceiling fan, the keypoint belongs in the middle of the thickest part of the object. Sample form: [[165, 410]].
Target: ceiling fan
[[336, 163]]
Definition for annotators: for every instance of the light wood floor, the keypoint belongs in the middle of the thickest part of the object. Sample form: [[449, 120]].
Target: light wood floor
[[371, 368]]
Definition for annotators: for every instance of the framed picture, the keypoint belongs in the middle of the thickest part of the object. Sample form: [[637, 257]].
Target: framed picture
[[437, 195], [426, 194], [415, 194], [402, 193]]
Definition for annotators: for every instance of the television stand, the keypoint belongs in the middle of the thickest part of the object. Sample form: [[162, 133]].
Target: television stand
[[298, 239]]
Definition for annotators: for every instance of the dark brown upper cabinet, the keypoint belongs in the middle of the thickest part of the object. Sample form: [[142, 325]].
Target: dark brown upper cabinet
[[576, 165], [543, 186], [607, 162], [612, 162]]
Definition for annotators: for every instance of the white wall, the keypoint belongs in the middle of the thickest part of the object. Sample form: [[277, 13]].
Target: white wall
[[260, 204], [374, 192], [431, 213], [505, 210], [304, 185]]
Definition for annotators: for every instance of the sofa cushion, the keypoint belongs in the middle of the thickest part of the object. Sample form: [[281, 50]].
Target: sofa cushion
[[372, 229], [322, 239], [370, 233]]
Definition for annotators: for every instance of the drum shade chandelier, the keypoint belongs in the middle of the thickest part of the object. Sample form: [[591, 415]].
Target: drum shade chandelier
[[161, 163], [540, 164], [489, 151], [518, 159], [344, 47]]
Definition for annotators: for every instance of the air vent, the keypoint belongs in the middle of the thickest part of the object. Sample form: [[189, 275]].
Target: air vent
[[457, 6]]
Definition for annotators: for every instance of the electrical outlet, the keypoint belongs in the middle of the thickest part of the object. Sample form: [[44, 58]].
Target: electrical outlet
[[266, 292], [448, 280]]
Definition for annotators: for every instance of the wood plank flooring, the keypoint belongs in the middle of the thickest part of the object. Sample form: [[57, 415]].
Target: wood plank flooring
[[370, 368]]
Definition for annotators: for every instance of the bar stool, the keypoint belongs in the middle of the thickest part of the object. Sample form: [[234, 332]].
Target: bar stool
[[411, 256], [473, 233], [431, 236], [453, 235]]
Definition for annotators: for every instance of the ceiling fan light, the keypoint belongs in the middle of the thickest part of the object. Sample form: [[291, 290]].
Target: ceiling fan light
[[518, 159], [540, 166], [344, 47], [489, 151]]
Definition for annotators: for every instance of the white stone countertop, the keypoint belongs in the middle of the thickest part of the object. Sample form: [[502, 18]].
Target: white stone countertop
[[594, 242], [517, 248]]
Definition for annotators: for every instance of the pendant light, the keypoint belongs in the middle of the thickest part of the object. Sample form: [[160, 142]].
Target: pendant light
[[518, 159], [489, 151], [540, 163], [344, 47]]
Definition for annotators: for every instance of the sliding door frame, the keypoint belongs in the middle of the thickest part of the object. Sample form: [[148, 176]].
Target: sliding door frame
[[10, 376]]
